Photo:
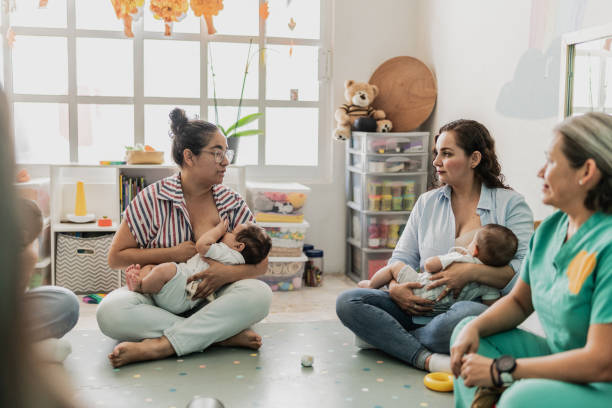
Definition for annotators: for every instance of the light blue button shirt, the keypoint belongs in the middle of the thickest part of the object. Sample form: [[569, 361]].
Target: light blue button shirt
[[430, 230]]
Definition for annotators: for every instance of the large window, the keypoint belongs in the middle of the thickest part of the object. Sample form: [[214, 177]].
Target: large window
[[81, 90]]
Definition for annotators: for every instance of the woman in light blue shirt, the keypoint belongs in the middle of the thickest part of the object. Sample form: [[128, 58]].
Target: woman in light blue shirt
[[472, 194]]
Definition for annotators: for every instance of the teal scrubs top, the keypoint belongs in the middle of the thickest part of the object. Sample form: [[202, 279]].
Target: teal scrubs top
[[571, 282]]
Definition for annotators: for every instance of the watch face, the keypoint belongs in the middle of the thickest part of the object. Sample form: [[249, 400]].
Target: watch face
[[506, 364]]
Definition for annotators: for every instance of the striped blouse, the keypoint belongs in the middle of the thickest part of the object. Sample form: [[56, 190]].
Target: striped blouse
[[157, 217]]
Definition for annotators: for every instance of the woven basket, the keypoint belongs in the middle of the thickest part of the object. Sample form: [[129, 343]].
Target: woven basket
[[142, 157], [81, 264]]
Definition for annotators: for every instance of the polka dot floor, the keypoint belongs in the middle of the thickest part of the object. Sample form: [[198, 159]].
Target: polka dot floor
[[341, 374]]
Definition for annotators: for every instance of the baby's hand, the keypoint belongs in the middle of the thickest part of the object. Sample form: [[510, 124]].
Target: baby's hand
[[223, 225]]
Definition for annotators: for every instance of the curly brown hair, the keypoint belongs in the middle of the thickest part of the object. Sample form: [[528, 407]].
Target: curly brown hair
[[256, 242], [472, 136]]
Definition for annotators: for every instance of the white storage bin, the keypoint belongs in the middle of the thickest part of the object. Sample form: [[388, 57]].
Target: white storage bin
[[277, 202], [287, 238], [285, 274], [81, 264]]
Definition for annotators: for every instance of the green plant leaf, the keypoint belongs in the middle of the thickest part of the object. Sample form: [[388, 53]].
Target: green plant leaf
[[247, 133], [244, 121], [222, 130]]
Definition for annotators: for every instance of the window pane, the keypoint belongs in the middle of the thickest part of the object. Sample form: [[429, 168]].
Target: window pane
[[607, 83], [157, 127], [172, 68], [28, 14], [305, 13], [97, 15], [292, 136], [238, 18], [190, 24], [228, 63], [96, 76], [104, 131], [40, 65], [247, 145], [286, 73], [586, 81], [41, 132]]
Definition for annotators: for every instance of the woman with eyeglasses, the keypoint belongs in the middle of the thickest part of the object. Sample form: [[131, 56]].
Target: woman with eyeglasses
[[161, 225]]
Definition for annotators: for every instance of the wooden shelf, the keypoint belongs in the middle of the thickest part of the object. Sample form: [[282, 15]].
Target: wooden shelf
[[88, 227]]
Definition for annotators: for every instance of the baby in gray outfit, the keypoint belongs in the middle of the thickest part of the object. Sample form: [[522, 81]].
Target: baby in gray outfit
[[493, 245]]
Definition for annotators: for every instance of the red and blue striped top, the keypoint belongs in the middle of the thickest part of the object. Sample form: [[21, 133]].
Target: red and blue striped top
[[157, 217]]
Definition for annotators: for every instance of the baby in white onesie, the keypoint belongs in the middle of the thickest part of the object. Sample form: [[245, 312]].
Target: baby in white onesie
[[167, 282], [493, 245]]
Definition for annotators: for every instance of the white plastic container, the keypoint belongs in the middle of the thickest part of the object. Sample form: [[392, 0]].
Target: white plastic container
[[287, 238], [285, 274], [277, 202]]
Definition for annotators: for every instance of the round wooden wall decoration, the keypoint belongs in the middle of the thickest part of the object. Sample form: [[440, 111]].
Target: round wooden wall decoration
[[407, 92]]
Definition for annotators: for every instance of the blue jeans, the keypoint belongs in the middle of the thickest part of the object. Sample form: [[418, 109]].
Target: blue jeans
[[52, 311], [374, 317]]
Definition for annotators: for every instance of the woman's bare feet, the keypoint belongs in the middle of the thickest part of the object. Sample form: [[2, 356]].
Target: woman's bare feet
[[246, 338], [132, 278], [148, 349]]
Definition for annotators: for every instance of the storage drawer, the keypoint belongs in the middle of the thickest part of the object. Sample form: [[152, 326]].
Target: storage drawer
[[284, 274], [81, 264]]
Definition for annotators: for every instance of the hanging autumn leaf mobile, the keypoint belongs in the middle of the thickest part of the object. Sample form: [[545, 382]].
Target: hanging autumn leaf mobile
[[208, 9], [128, 11], [169, 11]]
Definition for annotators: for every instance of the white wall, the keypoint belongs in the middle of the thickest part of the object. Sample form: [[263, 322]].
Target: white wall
[[474, 46], [364, 35]]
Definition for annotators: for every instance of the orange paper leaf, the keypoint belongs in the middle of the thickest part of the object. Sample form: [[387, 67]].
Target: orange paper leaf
[[10, 37], [264, 10], [208, 9]]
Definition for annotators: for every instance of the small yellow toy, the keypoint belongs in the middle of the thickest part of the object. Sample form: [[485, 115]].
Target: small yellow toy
[[442, 382]]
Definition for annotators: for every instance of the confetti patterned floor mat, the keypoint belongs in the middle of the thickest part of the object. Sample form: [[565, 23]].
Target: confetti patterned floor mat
[[341, 375]]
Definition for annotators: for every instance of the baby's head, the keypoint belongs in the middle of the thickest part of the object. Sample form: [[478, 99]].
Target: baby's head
[[251, 240], [494, 245]]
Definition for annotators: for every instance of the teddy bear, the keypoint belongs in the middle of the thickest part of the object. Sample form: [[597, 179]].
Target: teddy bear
[[359, 96]]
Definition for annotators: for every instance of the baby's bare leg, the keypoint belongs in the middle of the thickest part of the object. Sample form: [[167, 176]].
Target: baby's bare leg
[[155, 279]]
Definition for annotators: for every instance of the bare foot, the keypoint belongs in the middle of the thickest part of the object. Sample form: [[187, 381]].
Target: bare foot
[[148, 349], [246, 338], [132, 278], [364, 284]]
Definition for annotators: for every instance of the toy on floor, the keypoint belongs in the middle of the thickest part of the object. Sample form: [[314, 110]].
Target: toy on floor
[[205, 402], [442, 382], [307, 360], [94, 298]]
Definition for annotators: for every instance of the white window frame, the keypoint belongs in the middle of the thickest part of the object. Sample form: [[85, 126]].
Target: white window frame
[[314, 174]]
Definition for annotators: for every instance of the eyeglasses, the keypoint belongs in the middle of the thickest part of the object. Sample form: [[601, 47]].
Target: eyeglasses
[[220, 154]]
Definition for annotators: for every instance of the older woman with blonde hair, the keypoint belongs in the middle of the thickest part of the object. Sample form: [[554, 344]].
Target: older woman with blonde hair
[[566, 278]]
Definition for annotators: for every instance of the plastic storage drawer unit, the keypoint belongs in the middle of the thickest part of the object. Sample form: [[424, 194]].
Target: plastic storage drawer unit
[[277, 202], [285, 273]]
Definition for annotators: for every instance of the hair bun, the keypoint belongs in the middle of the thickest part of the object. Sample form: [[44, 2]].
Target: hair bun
[[178, 120]]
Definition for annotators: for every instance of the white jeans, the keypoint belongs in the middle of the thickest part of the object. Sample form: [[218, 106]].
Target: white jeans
[[126, 315]]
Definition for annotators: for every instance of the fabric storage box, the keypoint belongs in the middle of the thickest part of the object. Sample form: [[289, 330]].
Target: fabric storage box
[[81, 264], [287, 238], [285, 274], [277, 202]]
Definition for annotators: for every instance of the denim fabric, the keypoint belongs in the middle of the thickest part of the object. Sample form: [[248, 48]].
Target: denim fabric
[[52, 312], [375, 318]]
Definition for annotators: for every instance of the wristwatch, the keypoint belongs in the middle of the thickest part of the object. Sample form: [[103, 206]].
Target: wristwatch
[[505, 366]]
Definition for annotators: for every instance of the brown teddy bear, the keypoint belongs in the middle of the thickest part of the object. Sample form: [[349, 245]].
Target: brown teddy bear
[[359, 96]]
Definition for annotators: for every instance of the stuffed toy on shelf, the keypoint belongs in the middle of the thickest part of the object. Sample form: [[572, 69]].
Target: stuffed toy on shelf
[[359, 96]]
